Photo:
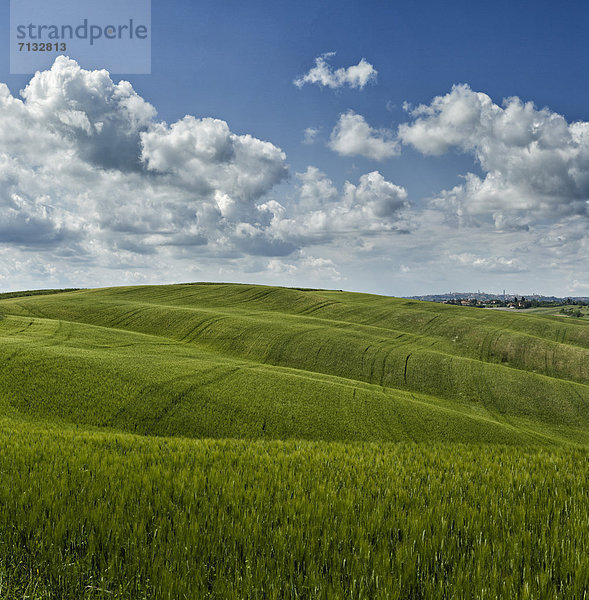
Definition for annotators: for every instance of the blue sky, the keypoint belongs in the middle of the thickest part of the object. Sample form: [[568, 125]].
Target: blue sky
[[378, 199]]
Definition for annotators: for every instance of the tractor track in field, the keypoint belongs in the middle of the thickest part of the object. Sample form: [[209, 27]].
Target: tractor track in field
[[405, 370]]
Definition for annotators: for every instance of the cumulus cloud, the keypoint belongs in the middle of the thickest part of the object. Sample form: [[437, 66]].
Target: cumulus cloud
[[352, 136], [374, 194], [102, 119], [324, 215], [206, 156], [86, 169], [536, 164], [91, 179], [322, 74], [95, 189], [315, 190]]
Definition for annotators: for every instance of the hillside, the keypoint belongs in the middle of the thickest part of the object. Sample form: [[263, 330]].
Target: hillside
[[343, 446], [256, 362]]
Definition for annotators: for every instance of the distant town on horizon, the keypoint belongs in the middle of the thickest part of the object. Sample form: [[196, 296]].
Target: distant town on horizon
[[489, 298]]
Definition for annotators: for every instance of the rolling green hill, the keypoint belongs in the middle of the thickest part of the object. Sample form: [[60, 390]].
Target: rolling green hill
[[245, 361], [236, 441]]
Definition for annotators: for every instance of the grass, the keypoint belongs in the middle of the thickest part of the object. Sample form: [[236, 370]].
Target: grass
[[275, 363], [234, 441], [101, 515], [23, 293], [557, 311]]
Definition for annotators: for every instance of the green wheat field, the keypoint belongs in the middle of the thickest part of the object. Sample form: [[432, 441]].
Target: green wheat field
[[238, 441]]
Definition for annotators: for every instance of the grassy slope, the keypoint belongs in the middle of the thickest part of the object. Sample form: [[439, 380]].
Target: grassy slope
[[98, 514], [555, 310], [222, 360], [102, 515]]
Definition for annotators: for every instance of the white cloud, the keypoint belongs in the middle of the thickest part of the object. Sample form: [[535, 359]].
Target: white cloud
[[374, 194], [579, 287], [206, 156], [536, 164], [352, 136], [316, 190], [310, 135], [312, 268], [87, 171], [94, 189], [189, 193], [323, 215], [488, 263], [322, 74], [103, 119]]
